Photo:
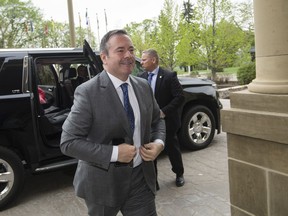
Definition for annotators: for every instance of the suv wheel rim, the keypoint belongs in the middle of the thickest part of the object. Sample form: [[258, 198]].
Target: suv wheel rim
[[200, 127], [6, 178]]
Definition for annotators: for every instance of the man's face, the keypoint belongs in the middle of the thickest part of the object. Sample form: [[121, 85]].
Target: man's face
[[120, 60], [147, 62], [82, 72]]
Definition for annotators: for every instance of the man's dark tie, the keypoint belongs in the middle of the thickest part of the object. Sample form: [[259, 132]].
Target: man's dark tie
[[150, 75], [127, 106]]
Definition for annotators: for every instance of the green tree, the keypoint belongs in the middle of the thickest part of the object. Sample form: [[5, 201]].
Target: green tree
[[59, 35], [167, 36], [18, 20], [161, 34], [188, 11], [221, 39], [22, 25], [228, 42], [81, 34], [143, 34], [243, 18], [188, 46]]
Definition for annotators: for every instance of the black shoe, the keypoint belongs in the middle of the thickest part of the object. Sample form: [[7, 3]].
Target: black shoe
[[157, 186], [180, 181]]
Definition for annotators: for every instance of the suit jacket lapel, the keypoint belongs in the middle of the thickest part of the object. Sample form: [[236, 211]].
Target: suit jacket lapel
[[116, 104], [158, 82]]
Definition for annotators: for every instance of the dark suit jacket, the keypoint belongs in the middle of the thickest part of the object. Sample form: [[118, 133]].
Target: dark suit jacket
[[170, 97], [96, 118]]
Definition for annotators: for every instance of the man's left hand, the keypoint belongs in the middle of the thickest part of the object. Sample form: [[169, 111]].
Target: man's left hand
[[150, 151]]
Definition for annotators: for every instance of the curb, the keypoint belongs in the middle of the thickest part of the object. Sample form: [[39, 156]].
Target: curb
[[225, 92]]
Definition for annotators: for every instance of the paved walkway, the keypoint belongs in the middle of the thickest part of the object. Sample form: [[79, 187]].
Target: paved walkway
[[206, 192]]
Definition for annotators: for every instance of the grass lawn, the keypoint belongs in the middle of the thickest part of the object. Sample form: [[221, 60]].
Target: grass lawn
[[227, 71]]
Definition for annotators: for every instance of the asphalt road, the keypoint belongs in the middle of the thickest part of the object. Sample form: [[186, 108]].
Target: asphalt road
[[206, 192]]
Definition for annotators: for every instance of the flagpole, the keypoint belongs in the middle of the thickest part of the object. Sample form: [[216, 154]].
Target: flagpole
[[98, 30], [71, 23], [79, 19], [88, 26], [32, 34], [106, 21], [89, 31]]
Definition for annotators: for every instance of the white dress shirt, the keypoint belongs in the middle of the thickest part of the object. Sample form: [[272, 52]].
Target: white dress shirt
[[135, 106], [154, 78]]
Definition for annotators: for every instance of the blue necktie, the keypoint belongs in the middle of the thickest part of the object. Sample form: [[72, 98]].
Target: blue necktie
[[127, 106], [150, 75]]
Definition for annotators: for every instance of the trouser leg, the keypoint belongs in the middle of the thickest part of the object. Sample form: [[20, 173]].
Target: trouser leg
[[172, 148], [99, 210], [141, 200]]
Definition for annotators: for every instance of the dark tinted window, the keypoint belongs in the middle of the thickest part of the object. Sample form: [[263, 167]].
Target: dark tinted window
[[46, 76], [138, 68], [1, 62], [11, 76]]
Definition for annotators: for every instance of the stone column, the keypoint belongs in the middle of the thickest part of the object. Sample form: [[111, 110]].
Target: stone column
[[257, 123], [271, 38]]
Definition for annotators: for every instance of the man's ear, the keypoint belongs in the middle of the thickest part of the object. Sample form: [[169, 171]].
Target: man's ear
[[103, 58]]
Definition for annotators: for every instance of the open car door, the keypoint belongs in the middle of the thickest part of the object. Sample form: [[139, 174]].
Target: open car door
[[95, 62]]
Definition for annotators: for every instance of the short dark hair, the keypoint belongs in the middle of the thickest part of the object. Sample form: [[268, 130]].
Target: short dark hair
[[152, 53], [104, 41]]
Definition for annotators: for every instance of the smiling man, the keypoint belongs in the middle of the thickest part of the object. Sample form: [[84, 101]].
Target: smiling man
[[115, 130]]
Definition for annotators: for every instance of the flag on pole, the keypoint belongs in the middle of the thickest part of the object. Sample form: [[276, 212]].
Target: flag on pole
[[98, 29], [105, 19], [31, 26], [97, 21], [79, 20], [86, 15]]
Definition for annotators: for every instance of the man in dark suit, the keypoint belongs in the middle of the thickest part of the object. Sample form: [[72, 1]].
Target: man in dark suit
[[115, 149], [169, 96]]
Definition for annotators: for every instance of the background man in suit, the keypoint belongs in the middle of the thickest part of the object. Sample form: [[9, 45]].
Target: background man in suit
[[169, 95], [115, 170], [82, 75]]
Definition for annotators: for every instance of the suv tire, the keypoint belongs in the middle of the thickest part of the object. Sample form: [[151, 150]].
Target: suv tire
[[12, 176], [198, 128]]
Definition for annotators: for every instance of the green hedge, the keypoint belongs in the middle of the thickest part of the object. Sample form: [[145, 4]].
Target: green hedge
[[246, 74]]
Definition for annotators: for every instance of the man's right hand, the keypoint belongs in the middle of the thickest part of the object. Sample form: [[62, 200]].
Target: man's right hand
[[126, 153]]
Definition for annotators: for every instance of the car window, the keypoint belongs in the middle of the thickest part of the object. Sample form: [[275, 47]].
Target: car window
[[138, 68], [45, 75], [94, 61], [11, 76]]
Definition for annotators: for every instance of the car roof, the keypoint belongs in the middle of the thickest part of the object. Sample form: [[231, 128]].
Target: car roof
[[41, 51]]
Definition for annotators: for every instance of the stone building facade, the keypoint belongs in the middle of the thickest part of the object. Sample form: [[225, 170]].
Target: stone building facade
[[257, 122]]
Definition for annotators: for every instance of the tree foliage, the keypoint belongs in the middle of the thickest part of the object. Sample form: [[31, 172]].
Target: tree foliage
[[167, 36], [143, 34], [246, 73], [16, 19], [22, 25], [209, 33], [189, 51]]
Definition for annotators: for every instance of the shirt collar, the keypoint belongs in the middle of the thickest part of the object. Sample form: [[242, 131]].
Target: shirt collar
[[155, 71], [117, 82]]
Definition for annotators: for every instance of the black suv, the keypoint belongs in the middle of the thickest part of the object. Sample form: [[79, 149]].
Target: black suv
[[30, 127]]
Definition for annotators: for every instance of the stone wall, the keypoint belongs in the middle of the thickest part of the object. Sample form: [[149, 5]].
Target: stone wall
[[257, 139]]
